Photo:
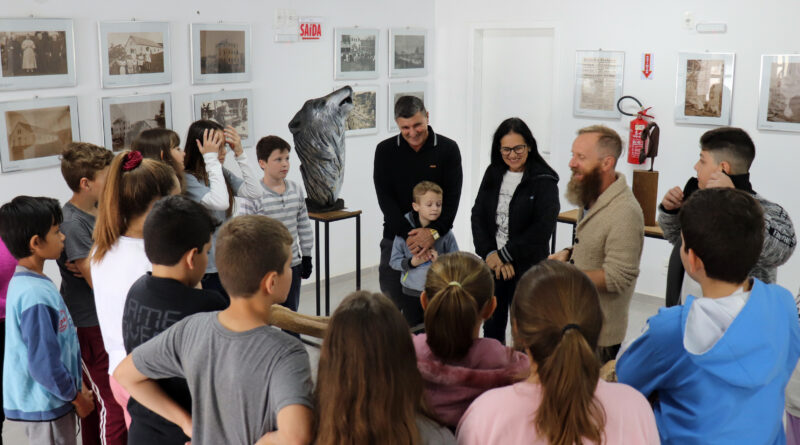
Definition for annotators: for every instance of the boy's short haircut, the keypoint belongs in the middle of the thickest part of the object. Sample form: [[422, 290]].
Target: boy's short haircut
[[249, 247], [725, 228], [732, 145], [24, 217], [268, 144], [83, 160], [424, 187], [174, 226]]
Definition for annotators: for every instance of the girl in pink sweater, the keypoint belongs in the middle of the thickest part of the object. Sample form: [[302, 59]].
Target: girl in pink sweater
[[556, 319], [455, 364]]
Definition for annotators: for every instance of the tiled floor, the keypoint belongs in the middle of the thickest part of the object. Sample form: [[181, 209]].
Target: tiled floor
[[642, 308]]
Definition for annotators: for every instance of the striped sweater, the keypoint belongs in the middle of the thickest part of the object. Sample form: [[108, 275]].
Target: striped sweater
[[289, 208]]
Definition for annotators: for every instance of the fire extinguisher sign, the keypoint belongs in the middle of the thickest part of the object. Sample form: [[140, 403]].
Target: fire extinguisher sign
[[647, 66]]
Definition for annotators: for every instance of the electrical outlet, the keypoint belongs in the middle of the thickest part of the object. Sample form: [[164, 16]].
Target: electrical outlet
[[688, 20]]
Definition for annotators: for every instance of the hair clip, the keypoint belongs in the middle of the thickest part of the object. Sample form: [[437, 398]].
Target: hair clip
[[131, 161]]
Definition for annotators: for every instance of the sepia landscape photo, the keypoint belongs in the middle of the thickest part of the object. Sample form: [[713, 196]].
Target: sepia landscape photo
[[784, 92], [363, 114], [135, 53], [222, 52], [130, 119], [39, 132], [357, 53], [409, 51], [33, 53], [704, 87], [226, 112]]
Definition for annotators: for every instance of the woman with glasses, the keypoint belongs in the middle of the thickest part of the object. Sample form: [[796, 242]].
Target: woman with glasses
[[514, 214]]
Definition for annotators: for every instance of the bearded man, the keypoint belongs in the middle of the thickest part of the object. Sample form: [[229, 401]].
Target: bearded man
[[610, 230]]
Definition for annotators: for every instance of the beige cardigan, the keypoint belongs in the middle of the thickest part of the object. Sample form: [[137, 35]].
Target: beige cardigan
[[609, 236]]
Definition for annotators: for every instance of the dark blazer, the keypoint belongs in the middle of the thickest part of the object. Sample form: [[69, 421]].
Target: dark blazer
[[532, 215]]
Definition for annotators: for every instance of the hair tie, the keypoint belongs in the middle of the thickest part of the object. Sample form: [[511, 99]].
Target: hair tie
[[568, 327], [131, 160], [454, 283]]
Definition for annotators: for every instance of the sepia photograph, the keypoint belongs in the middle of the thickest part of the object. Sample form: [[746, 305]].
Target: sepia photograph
[[220, 53], [363, 117], [400, 89], [779, 104], [355, 53], [125, 117], [134, 53], [36, 53], [36, 131], [704, 87], [227, 108], [705, 83], [599, 79], [407, 52]]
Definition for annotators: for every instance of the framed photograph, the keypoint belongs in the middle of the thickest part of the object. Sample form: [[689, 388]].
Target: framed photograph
[[398, 90], [779, 104], [36, 53], [134, 53], [705, 88], [124, 117], [598, 83], [220, 53], [228, 108], [35, 132], [354, 53], [363, 119], [407, 52]]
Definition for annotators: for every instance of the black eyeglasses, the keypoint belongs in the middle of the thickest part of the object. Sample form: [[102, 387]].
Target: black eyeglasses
[[519, 149]]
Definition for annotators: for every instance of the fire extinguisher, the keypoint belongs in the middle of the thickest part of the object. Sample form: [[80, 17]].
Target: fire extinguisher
[[636, 144]]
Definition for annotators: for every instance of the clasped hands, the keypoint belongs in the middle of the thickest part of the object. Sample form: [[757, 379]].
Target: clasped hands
[[500, 269]]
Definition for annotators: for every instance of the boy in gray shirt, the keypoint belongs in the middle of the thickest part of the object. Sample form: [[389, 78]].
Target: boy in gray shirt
[[248, 380]]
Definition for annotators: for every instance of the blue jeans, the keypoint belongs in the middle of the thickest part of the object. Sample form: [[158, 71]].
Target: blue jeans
[[293, 299]]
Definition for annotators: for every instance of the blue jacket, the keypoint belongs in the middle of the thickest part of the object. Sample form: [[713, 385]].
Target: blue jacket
[[413, 278], [42, 372], [734, 392]]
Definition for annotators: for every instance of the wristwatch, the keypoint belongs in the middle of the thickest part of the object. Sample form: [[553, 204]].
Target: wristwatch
[[434, 234]]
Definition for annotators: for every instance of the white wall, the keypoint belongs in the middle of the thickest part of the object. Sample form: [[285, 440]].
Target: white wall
[[284, 76], [754, 28]]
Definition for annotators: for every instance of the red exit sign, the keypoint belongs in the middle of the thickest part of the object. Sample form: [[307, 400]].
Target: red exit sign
[[310, 30]]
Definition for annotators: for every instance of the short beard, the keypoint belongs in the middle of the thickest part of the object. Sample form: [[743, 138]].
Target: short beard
[[585, 192]]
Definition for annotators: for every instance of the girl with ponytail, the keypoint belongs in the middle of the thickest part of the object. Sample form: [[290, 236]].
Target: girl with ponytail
[[556, 320], [118, 259], [213, 185], [455, 364]]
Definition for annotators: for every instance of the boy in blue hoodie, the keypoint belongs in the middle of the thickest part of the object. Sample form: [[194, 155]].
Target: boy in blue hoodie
[[718, 365], [42, 372], [427, 207]]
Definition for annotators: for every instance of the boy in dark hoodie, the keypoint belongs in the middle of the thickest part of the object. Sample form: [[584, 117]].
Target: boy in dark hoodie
[[427, 207], [726, 155], [719, 364]]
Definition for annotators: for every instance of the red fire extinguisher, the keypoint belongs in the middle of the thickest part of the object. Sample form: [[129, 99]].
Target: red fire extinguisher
[[638, 125]]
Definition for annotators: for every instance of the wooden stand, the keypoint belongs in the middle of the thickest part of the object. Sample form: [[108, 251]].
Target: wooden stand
[[645, 189], [327, 218]]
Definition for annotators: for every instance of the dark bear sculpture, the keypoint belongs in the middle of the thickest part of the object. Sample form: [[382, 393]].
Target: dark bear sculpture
[[318, 130]]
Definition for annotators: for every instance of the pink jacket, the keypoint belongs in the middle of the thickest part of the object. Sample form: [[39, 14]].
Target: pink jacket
[[451, 387], [7, 265]]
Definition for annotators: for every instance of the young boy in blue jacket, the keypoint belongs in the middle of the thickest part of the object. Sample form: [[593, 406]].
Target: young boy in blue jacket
[[427, 207], [718, 365], [42, 373]]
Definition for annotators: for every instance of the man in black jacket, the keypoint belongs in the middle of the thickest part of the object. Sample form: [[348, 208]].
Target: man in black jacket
[[401, 162]]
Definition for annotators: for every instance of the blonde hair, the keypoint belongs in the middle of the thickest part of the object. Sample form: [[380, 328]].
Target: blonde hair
[[424, 187], [458, 286], [128, 194], [608, 141]]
